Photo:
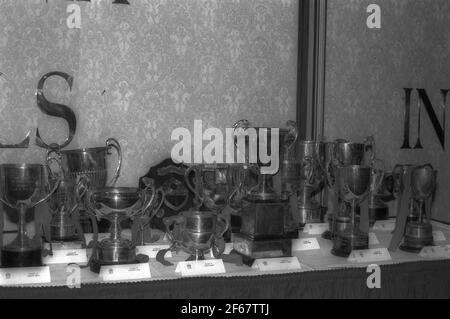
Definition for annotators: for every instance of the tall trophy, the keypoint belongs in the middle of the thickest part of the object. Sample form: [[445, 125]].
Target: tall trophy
[[419, 234], [116, 204], [263, 212], [23, 186], [353, 183], [89, 163], [343, 153], [312, 178]]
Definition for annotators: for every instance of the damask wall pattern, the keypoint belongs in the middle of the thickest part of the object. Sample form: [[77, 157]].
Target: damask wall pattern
[[367, 69], [143, 69]]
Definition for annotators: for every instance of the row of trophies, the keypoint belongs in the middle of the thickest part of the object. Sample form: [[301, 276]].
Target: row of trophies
[[268, 210]]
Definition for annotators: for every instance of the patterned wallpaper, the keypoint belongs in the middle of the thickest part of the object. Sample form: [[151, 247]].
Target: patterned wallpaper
[[143, 69], [367, 69]]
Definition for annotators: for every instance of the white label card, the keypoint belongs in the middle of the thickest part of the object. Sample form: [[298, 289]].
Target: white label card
[[152, 250], [369, 255], [384, 225], [67, 256], [373, 240], [228, 249], [435, 252], [201, 267], [305, 244], [125, 272], [438, 235], [271, 264], [25, 275], [315, 229]]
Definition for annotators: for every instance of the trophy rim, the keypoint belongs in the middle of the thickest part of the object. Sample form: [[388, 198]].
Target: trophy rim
[[22, 165], [312, 142], [85, 150], [116, 190]]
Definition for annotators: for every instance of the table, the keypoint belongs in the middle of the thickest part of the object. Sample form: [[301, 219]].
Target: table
[[322, 276]]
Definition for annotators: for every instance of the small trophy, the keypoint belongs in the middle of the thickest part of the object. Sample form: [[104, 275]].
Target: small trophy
[[419, 233]]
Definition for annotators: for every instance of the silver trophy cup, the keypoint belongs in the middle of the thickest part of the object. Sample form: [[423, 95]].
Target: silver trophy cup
[[353, 183], [117, 204], [23, 186], [419, 233]]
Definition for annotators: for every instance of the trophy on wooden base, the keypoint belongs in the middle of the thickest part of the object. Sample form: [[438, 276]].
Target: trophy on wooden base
[[263, 227]]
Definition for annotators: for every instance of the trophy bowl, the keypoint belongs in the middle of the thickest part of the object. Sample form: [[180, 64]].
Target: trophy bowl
[[90, 162], [196, 232], [116, 204], [23, 186]]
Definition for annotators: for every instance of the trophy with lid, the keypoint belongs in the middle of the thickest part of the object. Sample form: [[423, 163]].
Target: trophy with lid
[[263, 229], [23, 186]]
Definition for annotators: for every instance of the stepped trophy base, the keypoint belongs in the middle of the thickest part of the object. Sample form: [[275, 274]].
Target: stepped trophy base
[[417, 236], [345, 243], [252, 249], [31, 257]]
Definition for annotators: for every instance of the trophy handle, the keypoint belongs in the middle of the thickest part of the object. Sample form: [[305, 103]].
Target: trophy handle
[[169, 221], [55, 187], [90, 206], [292, 136], [308, 163], [80, 190], [243, 124], [225, 225], [158, 207], [50, 159], [369, 143], [113, 143], [191, 187], [378, 180]]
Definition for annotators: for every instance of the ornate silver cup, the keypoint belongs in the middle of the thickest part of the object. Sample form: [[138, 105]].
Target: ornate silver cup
[[196, 232], [90, 163], [420, 233], [23, 186], [116, 204], [353, 183], [351, 153], [312, 178]]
